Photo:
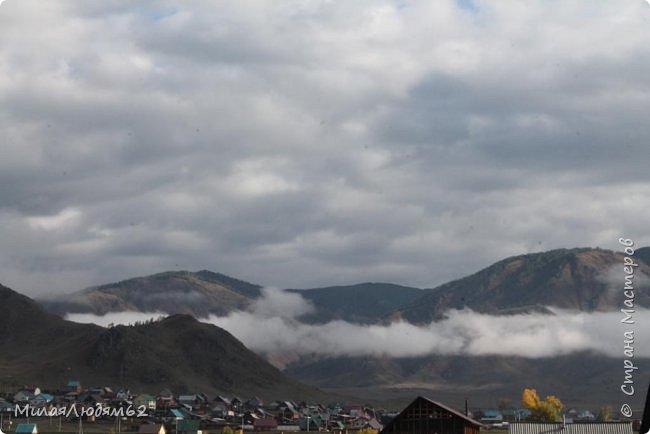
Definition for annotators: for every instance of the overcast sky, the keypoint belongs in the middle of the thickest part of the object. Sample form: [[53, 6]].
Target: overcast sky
[[308, 143]]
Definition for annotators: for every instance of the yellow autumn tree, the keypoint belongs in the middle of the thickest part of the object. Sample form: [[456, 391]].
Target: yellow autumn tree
[[547, 410]]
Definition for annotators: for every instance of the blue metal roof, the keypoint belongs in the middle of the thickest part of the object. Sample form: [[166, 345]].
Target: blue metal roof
[[25, 428]]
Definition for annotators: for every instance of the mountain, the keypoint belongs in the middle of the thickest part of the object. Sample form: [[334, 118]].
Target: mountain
[[177, 352], [195, 293], [581, 379], [583, 279], [205, 293], [364, 303]]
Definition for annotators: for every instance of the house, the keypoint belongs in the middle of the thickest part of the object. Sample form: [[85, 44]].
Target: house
[[26, 394], [5, 407], [165, 395], [309, 423], [146, 400], [152, 428], [41, 400], [89, 399], [268, 424], [73, 386], [585, 416], [571, 428], [194, 401], [123, 394], [491, 416], [222, 407], [426, 416], [374, 424], [354, 410], [26, 428], [223, 400], [188, 426], [177, 414]]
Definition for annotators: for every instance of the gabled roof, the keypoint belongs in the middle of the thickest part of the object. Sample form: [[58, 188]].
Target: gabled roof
[[438, 404], [177, 413], [25, 428], [223, 399], [453, 411], [46, 396]]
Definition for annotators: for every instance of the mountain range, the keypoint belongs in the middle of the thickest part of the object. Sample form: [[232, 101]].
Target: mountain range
[[582, 279]]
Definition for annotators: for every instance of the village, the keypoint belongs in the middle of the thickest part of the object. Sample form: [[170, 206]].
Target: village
[[74, 409]]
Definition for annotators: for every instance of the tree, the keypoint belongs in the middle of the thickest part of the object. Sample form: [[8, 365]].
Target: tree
[[367, 431], [227, 430], [605, 414], [547, 410]]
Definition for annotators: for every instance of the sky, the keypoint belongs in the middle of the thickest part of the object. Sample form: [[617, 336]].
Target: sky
[[307, 143]]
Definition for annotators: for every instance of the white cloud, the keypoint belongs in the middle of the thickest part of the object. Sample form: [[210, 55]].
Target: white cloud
[[462, 333], [303, 144], [115, 318], [272, 326]]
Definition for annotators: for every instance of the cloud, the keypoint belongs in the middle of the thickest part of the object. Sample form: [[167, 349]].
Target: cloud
[[302, 144], [463, 332], [115, 318], [272, 326]]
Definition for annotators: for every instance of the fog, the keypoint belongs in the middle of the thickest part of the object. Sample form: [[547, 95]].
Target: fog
[[272, 325]]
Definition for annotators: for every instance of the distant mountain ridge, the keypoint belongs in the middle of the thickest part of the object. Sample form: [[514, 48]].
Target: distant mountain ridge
[[205, 293], [581, 379], [581, 279], [364, 303], [173, 292], [177, 352]]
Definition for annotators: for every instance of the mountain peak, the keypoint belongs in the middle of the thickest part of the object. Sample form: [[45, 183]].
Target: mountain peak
[[582, 279], [195, 293]]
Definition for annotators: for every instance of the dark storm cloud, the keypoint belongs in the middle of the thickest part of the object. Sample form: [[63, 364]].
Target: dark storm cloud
[[305, 144]]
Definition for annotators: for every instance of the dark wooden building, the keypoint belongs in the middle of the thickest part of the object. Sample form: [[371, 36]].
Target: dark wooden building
[[426, 416]]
